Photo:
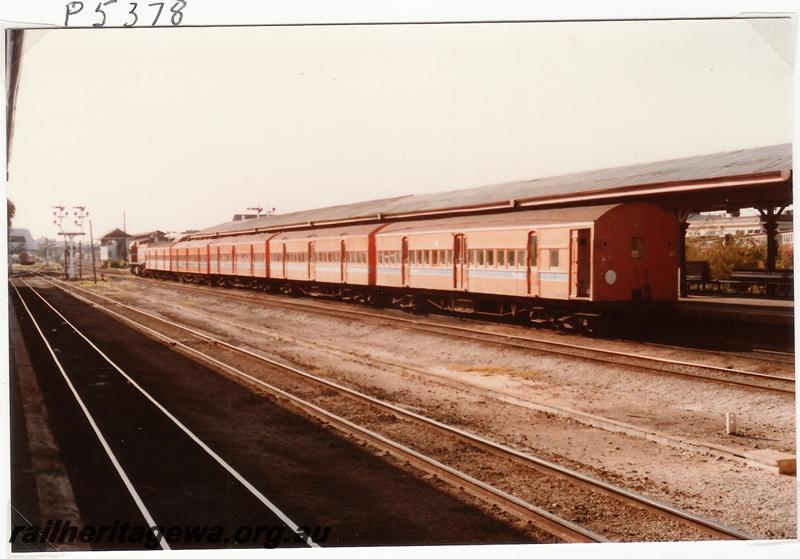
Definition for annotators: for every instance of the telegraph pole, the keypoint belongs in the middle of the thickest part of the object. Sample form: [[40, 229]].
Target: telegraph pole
[[91, 244], [80, 214], [125, 237]]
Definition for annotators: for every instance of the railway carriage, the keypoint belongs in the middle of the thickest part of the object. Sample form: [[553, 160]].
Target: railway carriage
[[565, 265], [533, 261], [325, 261], [156, 260]]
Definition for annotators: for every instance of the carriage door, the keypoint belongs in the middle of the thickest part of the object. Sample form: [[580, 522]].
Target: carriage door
[[579, 263], [342, 260], [459, 262], [283, 260], [404, 262], [311, 263], [532, 263]]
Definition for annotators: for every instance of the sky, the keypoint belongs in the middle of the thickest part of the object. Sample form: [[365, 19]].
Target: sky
[[182, 128]]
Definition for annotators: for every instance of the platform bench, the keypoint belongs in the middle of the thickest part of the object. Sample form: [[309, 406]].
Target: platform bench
[[698, 274], [778, 282]]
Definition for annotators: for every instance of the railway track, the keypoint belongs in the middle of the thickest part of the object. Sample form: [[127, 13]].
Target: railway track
[[211, 349], [763, 355], [650, 364], [149, 496]]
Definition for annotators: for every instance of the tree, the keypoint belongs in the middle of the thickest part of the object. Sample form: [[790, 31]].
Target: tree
[[11, 211], [723, 255]]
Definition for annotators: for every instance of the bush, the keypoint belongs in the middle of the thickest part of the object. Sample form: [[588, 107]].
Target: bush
[[785, 256], [723, 255]]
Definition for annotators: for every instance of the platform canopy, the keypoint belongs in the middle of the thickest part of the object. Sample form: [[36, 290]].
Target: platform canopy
[[757, 177]]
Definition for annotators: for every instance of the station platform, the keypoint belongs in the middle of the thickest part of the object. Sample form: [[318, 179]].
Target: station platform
[[777, 312]]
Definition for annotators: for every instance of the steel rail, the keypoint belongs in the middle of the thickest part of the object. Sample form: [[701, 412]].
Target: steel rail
[[559, 527], [730, 353], [101, 438], [549, 468], [517, 341], [298, 530]]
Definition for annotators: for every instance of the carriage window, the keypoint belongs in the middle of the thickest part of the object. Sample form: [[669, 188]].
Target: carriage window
[[442, 257], [449, 253], [554, 258], [637, 247], [480, 257], [501, 258], [533, 248], [434, 257], [490, 257], [511, 262]]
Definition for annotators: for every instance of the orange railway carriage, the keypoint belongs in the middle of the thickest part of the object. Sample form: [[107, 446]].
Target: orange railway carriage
[[337, 255], [624, 252], [565, 264]]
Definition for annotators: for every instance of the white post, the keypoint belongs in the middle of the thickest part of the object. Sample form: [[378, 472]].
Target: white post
[[730, 423], [72, 259]]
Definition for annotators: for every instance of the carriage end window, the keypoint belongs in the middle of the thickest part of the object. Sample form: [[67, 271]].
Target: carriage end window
[[637, 247], [554, 258]]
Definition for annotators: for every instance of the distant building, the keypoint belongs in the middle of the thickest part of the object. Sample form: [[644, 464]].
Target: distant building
[[717, 226], [21, 240], [242, 217], [117, 244]]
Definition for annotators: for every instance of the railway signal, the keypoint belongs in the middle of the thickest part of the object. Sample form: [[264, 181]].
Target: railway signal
[[79, 213]]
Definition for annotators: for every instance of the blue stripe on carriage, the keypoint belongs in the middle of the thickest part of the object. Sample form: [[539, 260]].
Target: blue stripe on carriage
[[432, 271], [554, 276], [507, 274]]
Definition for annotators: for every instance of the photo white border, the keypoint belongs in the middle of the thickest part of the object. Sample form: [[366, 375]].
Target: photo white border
[[50, 13]]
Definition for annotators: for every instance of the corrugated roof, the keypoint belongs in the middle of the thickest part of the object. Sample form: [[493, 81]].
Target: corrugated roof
[[744, 162], [329, 232], [527, 218]]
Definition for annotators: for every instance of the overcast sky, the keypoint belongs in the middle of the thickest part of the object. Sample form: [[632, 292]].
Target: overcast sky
[[182, 128]]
